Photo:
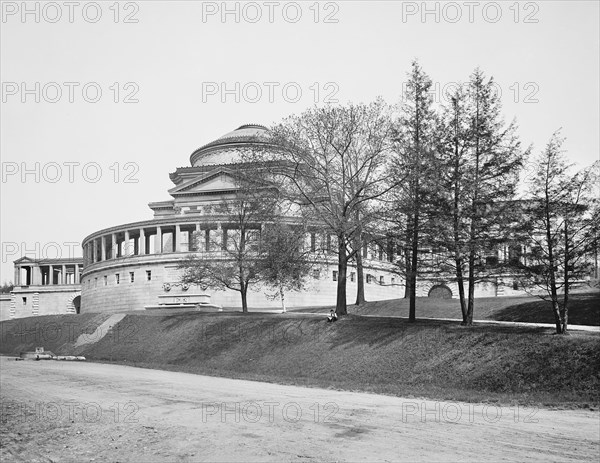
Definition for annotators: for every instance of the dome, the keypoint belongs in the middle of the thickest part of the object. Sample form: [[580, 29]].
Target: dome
[[228, 148]]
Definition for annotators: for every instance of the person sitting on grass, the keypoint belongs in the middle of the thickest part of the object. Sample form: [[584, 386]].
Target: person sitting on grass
[[332, 316]]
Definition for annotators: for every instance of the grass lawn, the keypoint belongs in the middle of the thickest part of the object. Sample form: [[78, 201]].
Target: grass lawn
[[584, 309], [434, 359]]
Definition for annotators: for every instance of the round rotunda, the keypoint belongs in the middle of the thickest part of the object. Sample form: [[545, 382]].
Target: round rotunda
[[134, 266]]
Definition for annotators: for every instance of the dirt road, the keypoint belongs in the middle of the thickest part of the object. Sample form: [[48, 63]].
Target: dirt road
[[67, 411]]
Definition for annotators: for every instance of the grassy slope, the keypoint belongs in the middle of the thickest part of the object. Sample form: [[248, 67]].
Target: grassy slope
[[584, 309], [386, 355]]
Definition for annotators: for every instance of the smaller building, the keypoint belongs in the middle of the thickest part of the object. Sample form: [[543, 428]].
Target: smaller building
[[44, 287]]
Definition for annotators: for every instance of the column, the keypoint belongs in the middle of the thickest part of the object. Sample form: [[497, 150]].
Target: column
[[50, 274], [177, 239], [196, 240], [103, 246], [35, 275], [113, 246], [94, 248], [219, 241], [17, 279], [142, 242], [158, 241], [76, 274], [63, 275], [126, 244]]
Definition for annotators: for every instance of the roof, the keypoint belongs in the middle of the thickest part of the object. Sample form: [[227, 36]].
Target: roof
[[245, 134], [59, 261]]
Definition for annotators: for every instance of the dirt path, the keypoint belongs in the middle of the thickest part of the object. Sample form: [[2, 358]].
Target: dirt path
[[67, 411]]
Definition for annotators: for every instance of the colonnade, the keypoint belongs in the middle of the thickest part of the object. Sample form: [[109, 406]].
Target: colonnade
[[194, 237], [46, 274], [148, 240]]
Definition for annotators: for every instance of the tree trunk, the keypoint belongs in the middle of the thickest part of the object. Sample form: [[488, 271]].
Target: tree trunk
[[564, 313], [556, 312], [407, 257], [550, 243], [460, 281], [415, 219], [244, 294], [360, 287], [360, 282], [282, 296], [458, 259], [471, 278], [413, 267], [474, 222], [456, 222], [471, 302], [340, 306], [406, 272]]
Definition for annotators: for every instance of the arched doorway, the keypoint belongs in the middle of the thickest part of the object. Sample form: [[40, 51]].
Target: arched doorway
[[77, 303], [440, 292]]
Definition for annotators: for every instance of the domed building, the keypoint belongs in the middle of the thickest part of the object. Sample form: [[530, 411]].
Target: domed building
[[134, 266]]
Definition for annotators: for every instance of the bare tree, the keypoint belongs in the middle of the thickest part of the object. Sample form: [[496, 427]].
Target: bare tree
[[334, 166], [230, 259], [285, 260]]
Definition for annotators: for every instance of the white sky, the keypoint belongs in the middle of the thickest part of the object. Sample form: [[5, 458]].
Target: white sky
[[173, 52]]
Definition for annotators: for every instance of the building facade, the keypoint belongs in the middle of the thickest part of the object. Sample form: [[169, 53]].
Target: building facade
[[135, 266], [44, 287]]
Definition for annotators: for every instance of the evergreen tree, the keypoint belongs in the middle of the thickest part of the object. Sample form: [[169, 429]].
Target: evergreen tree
[[561, 224], [414, 165]]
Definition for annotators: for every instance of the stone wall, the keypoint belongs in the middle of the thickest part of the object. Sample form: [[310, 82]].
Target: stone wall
[[102, 293], [5, 306], [31, 301]]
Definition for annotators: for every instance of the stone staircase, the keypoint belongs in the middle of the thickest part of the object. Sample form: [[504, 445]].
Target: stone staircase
[[35, 304]]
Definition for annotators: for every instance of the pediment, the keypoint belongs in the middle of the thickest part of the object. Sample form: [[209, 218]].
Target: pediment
[[218, 180]]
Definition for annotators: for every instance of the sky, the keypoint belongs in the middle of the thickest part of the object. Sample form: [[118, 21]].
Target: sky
[[102, 100]]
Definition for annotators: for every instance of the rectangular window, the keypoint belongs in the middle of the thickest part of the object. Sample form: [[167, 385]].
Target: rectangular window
[[24, 300], [117, 278], [105, 280], [131, 277], [369, 278], [335, 274], [351, 276], [381, 280], [149, 275]]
